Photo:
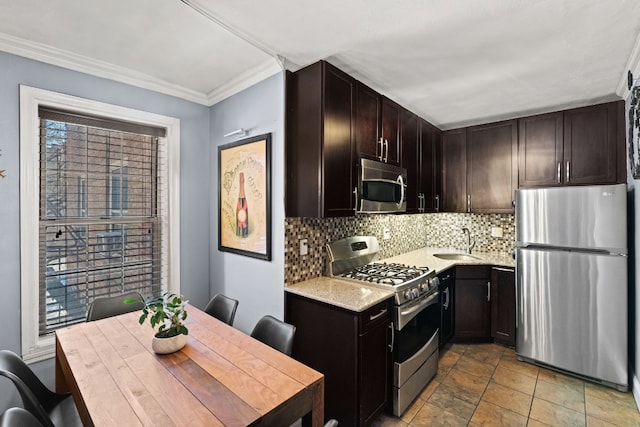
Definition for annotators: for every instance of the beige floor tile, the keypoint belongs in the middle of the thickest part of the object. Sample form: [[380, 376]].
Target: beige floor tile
[[507, 398], [595, 422], [560, 379], [447, 399], [488, 414], [570, 396], [428, 390], [515, 380], [509, 353], [412, 410], [611, 412], [386, 420], [474, 367], [521, 367], [430, 415], [484, 354], [448, 359], [555, 415], [466, 386], [536, 423], [606, 393], [456, 348]]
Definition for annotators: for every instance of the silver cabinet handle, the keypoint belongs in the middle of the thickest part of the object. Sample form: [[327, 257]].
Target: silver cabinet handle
[[386, 145], [446, 301], [488, 291], [393, 336], [375, 316], [468, 202], [568, 166], [559, 165], [380, 157], [437, 203], [507, 269], [355, 199]]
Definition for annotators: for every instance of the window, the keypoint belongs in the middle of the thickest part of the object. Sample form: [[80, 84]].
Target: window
[[100, 217]]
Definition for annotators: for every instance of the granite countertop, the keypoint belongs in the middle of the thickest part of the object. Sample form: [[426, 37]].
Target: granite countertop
[[341, 293], [358, 297]]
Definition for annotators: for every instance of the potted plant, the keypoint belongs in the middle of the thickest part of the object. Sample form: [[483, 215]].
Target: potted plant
[[169, 312]]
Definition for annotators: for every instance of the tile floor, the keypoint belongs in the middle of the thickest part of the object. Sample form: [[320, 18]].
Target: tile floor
[[485, 385]]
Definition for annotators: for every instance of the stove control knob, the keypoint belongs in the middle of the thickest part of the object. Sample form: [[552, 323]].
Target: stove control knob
[[415, 292], [408, 295], [424, 287]]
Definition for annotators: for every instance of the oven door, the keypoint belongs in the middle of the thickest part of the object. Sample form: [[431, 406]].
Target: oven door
[[415, 349]]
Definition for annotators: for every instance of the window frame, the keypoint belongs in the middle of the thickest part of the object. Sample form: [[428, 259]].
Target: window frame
[[35, 347]]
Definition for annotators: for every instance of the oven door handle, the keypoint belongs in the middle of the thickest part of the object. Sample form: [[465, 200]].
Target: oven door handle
[[404, 316]]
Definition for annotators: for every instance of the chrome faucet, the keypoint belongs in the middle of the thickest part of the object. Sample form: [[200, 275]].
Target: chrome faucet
[[470, 245]]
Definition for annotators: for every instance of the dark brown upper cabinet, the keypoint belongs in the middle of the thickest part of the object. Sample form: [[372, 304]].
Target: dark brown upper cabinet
[[391, 131], [320, 149], [377, 126], [581, 146], [430, 155], [410, 135], [454, 171], [367, 125], [492, 168]]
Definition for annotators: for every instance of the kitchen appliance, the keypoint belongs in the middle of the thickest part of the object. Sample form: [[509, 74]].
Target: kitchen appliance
[[571, 281], [381, 188], [416, 311]]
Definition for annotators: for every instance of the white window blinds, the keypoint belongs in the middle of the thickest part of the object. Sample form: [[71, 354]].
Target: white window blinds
[[102, 215]]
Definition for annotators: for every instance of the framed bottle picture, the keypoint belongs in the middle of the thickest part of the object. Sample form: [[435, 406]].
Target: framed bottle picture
[[244, 197]]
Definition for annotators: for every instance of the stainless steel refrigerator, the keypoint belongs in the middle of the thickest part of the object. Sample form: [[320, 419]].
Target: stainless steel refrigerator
[[571, 280]]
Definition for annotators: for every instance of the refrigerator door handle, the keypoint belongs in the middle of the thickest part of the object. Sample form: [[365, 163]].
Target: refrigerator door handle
[[568, 166], [558, 179]]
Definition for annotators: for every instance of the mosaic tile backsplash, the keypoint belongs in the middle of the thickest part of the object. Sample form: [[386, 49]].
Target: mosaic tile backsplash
[[408, 233]]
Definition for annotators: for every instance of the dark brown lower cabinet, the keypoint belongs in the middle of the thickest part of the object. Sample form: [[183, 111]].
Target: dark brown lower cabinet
[[503, 306], [352, 351], [472, 303]]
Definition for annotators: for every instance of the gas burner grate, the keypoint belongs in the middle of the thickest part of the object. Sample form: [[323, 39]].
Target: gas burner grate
[[384, 273]]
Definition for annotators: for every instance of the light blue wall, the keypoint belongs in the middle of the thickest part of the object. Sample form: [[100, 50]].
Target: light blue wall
[[257, 284], [195, 187]]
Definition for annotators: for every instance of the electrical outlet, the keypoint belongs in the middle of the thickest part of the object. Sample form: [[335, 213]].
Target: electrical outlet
[[386, 234], [496, 231], [304, 247]]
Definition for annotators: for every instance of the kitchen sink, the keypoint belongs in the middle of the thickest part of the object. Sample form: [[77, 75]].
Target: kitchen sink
[[457, 257]]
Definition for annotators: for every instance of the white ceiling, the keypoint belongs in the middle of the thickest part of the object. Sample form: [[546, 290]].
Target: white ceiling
[[453, 62]]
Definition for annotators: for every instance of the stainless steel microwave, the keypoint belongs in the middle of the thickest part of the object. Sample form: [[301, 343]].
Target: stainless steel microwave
[[381, 188]]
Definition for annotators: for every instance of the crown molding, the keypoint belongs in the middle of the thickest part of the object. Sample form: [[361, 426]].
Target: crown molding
[[633, 64], [62, 58], [244, 80]]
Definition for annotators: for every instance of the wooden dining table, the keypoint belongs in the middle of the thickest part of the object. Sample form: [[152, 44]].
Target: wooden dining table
[[222, 377]]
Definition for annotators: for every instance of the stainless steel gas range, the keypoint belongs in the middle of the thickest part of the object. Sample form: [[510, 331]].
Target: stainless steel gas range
[[416, 317]]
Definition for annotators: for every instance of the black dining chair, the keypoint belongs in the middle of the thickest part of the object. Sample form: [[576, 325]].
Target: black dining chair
[[222, 308], [275, 333], [103, 307], [18, 417], [50, 408]]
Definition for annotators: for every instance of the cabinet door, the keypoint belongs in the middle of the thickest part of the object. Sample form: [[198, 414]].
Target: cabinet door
[[339, 170], [473, 309], [540, 150], [447, 302], [374, 365], [503, 306], [492, 167], [367, 125], [410, 160], [429, 167], [454, 171], [590, 142], [391, 131]]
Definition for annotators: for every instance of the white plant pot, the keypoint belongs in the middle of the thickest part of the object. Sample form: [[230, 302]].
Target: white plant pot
[[168, 345]]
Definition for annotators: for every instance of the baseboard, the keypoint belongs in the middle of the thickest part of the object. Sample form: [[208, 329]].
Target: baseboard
[[636, 390]]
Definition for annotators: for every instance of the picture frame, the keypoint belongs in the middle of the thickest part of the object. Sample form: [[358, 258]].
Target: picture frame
[[634, 133], [244, 197]]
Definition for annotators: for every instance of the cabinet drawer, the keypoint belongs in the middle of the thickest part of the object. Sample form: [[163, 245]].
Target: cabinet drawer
[[374, 315], [473, 271]]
